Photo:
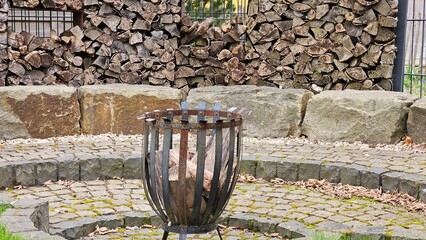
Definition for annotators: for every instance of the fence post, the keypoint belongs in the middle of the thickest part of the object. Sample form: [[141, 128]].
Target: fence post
[[399, 66], [78, 18]]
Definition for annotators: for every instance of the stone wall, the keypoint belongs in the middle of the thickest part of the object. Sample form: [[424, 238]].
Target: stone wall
[[373, 117], [51, 111], [290, 44]]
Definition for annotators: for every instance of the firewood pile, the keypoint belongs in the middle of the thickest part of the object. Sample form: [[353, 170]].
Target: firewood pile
[[321, 45], [121, 41], [49, 4], [211, 55], [316, 45]]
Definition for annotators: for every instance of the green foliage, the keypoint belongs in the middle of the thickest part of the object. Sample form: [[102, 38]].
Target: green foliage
[[221, 10], [5, 235], [3, 207], [413, 83]]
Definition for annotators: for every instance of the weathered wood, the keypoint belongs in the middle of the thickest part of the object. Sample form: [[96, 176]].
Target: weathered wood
[[34, 59]]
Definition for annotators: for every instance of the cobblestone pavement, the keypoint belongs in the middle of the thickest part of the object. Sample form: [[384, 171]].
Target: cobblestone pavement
[[403, 161], [293, 208], [157, 233], [264, 203]]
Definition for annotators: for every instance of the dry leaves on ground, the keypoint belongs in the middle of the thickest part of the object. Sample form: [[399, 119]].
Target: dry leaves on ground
[[105, 231], [19, 187], [346, 192], [247, 178], [102, 231], [420, 147], [66, 183]]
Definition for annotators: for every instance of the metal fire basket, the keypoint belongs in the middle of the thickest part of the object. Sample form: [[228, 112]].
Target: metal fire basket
[[189, 187]]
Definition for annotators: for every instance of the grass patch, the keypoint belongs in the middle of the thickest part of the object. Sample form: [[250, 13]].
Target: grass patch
[[414, 82], [3, 207], [4, 234]]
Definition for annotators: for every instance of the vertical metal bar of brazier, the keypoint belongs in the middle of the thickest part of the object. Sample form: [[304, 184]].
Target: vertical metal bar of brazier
[[201, 151], [239, 152], [157, 114], [154, 194], [165, 172], [170, 118], [216, 115], [145, 167], [216, 172], [183, 154], [201, 114], [226, 191]]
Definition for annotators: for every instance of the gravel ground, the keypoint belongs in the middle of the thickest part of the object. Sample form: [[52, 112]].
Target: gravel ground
[[401, 146]]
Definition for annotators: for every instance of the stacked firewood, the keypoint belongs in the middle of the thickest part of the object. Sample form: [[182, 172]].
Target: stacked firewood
[[321, 45], [4, 8], [317, 45], [49, 4], [121, 41], [211, 55]]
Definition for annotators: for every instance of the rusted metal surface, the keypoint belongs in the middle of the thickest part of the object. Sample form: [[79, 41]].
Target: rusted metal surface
[[205, 206], [183, 155]]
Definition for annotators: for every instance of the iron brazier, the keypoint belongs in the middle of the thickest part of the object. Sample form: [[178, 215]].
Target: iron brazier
[[189, 187]]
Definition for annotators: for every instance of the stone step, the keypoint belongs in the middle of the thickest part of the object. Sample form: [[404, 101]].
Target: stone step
[[75, 209]]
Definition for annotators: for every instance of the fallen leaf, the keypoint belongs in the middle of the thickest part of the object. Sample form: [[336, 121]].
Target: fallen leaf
[[408, 140], [420, 147], [341, 191]]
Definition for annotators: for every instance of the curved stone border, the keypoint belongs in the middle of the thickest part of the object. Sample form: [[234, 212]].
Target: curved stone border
[[298, 170], [90, 167], [33, 219], [29, 218]]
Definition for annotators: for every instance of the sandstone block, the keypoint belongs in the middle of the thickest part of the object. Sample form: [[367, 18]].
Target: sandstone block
[[45, 171], [287, 169], [390, 181], [351, 175], [371, 177], [132, 167], [25, 173], [367, 116], [308, 169], [411, 184], [248, 165], [69, 169], [111, 166], [90, 169], [6, 175], [416, 122], [422, 195], [330, 172], [38, 111], [266, 169], [269, 112], [115, 108]]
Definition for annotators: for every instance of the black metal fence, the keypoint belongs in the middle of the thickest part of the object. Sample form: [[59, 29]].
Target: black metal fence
[[414, 62], [40, 22], [221, 10]]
